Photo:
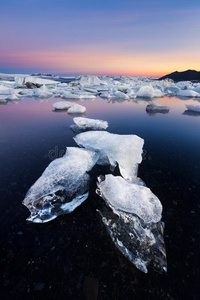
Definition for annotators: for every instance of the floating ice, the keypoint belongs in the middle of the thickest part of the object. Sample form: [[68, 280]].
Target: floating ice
[[62, 187], [12, 97], [42, 92], [193, 107], [114, 94], [5, 90], [126, 150], [62, 105], [188, 93], [142, 244], [85, 124], [156, 107], [76, 108], [129, 197], [149, 92]]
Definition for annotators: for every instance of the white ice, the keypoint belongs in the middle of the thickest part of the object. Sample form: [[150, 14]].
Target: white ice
[[62, 187], [149, 92], [84, 124], [124, 150], [62, 105], [132, 198], [76, 108], [42, 92], [188, 93], [193, 107]]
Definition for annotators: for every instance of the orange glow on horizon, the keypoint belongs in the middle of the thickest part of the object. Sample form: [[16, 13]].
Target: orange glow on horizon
[[101, 63]]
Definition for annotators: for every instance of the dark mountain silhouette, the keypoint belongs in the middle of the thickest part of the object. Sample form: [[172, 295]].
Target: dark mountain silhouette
[[181, 76]]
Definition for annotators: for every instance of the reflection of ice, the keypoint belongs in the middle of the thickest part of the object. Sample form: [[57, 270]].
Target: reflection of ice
[[154, 108], [62, 187], [141, 243], [191, 113]]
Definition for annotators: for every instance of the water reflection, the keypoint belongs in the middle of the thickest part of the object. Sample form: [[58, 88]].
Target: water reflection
[[191, 113]]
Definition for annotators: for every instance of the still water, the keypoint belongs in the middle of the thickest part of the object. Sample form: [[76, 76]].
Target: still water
[[72, 256]]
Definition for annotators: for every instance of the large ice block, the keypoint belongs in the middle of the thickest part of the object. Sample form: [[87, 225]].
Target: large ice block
[[62, 187], [85, 124]]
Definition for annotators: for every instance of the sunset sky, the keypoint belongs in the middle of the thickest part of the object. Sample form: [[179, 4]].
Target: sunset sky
[[112, 37]]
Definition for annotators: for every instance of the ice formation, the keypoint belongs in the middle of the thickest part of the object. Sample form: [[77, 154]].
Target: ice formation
[[193, 107], [42, 92], [85, 124], [188, 93], [154, 107], [76, 109], [62, 105], [129, 197], [62, 187], [143, 244], [149, 92], [126, 150]]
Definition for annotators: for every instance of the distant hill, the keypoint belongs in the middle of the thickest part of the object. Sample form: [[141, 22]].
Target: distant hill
[[182, 76]]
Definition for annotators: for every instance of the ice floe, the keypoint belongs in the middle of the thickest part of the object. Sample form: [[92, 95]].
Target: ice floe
[[85, 124], [193, 107], [76, 109], [113, 149], [62, 105], [188, 93], [149, 92], [62, 187], [154, 107], [129, 197]]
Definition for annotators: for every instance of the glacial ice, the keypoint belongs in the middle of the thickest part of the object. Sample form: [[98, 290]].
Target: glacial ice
[[154, 107], [188, 93], [12, 97], [76, 109], [126, 150], [129, 197], [62, 187], [42, 92], [143, 244], [193, 107], [149, 92], [62, 105], [5, 90], [85, 124]]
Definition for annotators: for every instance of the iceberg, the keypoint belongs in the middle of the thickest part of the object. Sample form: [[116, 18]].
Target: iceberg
[[113, 149], [114, 95], [148, 91], [61, 105], [12, 97], [5, 90], [129, 197], [188, 93], [157, 108], [62, 187], [143, 244], [193, 107], [76, 109], [85, 124]]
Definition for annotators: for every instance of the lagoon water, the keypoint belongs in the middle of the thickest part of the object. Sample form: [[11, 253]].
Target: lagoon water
[[62, 258]]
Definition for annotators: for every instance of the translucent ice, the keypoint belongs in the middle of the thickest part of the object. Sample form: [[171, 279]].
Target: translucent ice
[[156, 107], [126, 150], [142, 244], [85, 124], [193, 107], [62, 105], [129, 197], [42, 92], [62, 187]]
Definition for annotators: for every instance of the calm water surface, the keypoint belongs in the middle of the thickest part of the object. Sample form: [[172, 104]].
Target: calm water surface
[[60, 259]]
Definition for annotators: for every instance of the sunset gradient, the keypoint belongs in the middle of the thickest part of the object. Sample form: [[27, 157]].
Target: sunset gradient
[[110, 37]]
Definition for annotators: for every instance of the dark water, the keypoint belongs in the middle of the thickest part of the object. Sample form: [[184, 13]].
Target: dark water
[[72, 257]]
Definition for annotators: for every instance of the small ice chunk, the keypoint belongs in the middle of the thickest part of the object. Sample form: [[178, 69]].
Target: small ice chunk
[[5, 90], [188, 93], [148, 91], [129, 197], [126, 150], [76, 108], [85, 124], [62, 105], [156, 107], [62, 187], [142, 244], [193, 107]]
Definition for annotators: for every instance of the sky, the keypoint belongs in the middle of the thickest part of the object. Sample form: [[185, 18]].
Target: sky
[[99, 37]]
